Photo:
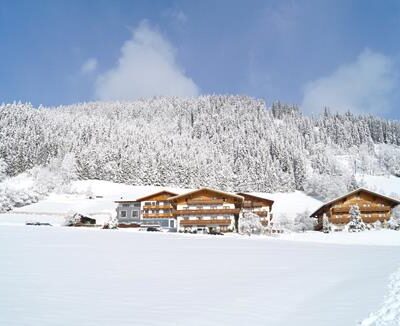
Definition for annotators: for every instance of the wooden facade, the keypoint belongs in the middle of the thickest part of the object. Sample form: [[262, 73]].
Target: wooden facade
[[157, 205], [202, 208], [207, 207], [258, 205], [373, 207]]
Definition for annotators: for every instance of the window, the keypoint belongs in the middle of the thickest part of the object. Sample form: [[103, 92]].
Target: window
[[125, 205], [123, 213], [135, 213], [147, 203], [171, 223], [136, 204]]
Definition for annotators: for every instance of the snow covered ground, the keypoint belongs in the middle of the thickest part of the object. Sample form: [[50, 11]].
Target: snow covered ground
[[70, 276], [373, 237], [73, 276], [389, 313]]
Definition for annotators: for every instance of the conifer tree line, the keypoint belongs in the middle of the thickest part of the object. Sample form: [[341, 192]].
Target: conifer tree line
[[226, 142]]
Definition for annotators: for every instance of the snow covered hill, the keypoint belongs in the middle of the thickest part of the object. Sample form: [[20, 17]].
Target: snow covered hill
[[233, 143], [386, 184]]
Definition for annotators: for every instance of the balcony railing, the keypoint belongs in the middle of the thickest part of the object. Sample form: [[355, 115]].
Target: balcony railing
[[261, 213], [205, 201], [252, 205], [345, 218], [158, 215], [157, 207], [224, 222], [372, 208], [210, 211]]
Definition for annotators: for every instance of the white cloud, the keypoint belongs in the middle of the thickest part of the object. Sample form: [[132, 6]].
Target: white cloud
[[89, 66], [364, 86], [176, 14], [146, 67]]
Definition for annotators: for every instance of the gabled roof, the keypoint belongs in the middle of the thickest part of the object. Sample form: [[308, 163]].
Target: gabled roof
[[254, 196], [125, 201], [228, 194], [157, 193], [394, 201]]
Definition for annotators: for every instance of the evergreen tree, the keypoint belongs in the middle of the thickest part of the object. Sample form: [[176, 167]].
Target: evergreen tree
[[394, 222], [232, 142], [326, 226], [355, 224]]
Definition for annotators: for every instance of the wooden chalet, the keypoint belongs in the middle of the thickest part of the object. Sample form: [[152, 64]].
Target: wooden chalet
[[157, 205], [373, 207], [257, 205], [207, 208]]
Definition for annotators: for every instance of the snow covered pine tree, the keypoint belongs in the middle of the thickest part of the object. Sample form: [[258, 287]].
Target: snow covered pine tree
[[356, 223], [394, 222], [250, 223], [326, 227], [112, 223]]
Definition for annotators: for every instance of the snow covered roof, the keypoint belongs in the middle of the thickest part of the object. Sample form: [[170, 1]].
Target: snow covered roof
[[157, 193], [208, 189], [125, 201], [394, 201], [254, 196]]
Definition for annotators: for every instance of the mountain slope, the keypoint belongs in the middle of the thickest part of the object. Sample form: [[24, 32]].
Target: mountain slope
[[227, 142]]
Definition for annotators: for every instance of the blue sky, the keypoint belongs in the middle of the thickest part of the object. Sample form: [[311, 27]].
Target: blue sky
[[341, 54]]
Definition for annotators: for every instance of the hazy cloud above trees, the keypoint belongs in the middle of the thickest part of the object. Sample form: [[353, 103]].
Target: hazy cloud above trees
[[146, 67], [366, 85]]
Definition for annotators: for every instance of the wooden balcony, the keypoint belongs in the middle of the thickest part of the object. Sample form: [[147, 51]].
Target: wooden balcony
[[261, 213], [208, 211], [251, 204], [157, 207], [205, 202], [345, 218], [224, 222], [372, 208], [158, 215], [339, 220]]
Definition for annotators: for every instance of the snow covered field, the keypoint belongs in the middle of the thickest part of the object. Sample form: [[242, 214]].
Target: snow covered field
[[74, 276], [69, 276]]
